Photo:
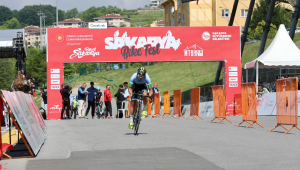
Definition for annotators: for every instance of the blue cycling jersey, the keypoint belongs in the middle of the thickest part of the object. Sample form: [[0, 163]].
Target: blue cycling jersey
[[134, 80]]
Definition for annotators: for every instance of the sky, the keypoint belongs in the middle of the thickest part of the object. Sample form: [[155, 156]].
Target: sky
[[81, 5]]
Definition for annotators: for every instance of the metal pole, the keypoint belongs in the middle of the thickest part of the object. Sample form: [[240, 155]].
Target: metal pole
[[229, 24], [294, 20], [40, 32], [265, 33], [56, 15], [256, 76], [246, 75], [247, 23], [44, 42]]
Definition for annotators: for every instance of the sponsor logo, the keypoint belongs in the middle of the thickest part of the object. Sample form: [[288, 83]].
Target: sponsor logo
[[233, 74], [233, 79], [205, 36], [59, 38], [166, 42], [55, 71], [232, 68], [220, 36], [55, 76], [55, 107], [53, 87], [55, 81], [233, 84], [86, 52], [97, 25], [194, 50]]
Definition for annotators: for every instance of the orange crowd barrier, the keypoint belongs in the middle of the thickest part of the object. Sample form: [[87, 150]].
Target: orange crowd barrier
[[148, 108], [195, 103], [128, 107], [166, 103], [219, 103], [177, 103], [238, 104], [287, 103], [156, 105], [249, 107]]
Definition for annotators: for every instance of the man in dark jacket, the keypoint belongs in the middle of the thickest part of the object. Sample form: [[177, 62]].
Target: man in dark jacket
[[91, 100], [155, 90], [120, 97], [81, 100], [66, 102]]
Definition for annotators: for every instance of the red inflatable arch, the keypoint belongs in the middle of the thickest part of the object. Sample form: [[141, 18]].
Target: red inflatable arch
[[159, 44]]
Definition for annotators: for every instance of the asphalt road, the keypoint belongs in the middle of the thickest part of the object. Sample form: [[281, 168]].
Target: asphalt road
[[164, 143]]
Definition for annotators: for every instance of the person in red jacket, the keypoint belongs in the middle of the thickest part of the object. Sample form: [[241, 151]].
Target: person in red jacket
[[107, 100]]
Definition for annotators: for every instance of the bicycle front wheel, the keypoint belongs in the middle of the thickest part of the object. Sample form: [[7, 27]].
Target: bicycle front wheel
[[137, 119]]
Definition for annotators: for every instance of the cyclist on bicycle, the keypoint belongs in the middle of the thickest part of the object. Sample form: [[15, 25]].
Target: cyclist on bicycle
[[139, 82]]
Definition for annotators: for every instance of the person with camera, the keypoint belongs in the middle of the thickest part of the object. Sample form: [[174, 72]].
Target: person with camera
[[66, 101], [81, 100], [44, 97]]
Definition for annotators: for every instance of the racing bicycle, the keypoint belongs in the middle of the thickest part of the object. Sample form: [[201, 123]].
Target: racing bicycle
[[137, 116]]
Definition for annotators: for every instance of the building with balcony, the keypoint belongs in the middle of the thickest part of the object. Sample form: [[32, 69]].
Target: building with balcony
[[206, 13], [114, 20], [155, 3], [32, 35], [71, 23]]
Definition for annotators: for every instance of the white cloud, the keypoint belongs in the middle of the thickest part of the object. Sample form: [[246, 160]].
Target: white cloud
[[81, 5]]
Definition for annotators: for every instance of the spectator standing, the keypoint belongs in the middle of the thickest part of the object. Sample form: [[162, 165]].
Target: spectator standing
[[44, 97], [126, 93], [91, 100], [81, 100], [99, 103], [71, 103], [155, 90], [6, 116], [120, 98], [107, 100], [66, 102]]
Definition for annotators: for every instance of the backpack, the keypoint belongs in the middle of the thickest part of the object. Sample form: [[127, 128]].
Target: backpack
[[74, 104]]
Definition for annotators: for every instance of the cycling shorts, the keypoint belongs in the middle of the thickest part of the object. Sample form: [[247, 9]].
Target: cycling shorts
[[136, 88]]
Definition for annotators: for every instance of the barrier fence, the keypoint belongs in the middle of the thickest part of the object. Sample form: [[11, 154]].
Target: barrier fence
[[157, 105], [287, 103], [177, 103], [195, 103], [27, 119], [219, 103], [166, 103], [237, 104], [249, 107]]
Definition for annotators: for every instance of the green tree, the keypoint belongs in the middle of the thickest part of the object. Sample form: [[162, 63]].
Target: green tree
[[36, 64], [7, 72], [122, 25], [259, 30], [5, 14], [12, 24], [72, 13], [280, 15], [36, 44], [69, 70], [90, 13]]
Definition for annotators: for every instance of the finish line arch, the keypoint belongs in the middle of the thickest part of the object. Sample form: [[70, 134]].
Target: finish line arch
[[142, 44]]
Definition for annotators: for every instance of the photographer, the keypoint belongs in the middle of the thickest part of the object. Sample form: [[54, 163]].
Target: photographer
[[66, 101]]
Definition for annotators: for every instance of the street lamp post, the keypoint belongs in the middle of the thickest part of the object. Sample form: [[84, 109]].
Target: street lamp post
[[40, 13], [44, 38]]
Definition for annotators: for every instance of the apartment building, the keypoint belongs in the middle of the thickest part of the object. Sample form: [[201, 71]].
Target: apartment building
[[155, 3], [32, 34], [206, 13], [114, 20], [71, 23]]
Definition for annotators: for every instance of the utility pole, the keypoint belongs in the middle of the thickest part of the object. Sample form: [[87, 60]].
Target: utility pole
[[56, 14], [40, 13], [44, 38]]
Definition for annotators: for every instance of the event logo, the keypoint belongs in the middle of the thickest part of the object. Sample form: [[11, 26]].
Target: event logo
[[55, 108], [205, 36], [86, 52], [132, 46], [194, 50], [59, 38]]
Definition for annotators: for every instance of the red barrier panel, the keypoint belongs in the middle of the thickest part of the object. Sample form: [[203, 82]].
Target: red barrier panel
[[219, 103], [249, 107], [156, 105], [287, 103], [177, 103], [238, 105], [195, 103]]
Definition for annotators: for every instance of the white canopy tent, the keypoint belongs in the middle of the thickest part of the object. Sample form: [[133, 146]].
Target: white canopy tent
[[282, 53]]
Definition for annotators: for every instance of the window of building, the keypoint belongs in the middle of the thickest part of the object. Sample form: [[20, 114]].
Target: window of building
[[111, 23], [32, 39], [66, 24], [75, 24], [36, 38], [96, 19], [178, 3], [183, 18], [60, 24], [225, 13], [116, 19], [244, 12], [121, 19], [101, 19], [28, 43]]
